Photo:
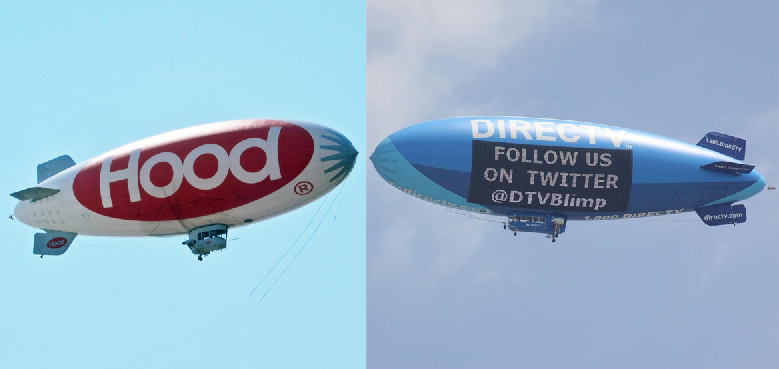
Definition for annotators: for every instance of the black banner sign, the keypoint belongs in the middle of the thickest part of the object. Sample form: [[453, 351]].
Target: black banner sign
[[551, 177]]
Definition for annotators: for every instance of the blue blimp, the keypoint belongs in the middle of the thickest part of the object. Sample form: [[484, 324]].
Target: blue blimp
[[540, 173]]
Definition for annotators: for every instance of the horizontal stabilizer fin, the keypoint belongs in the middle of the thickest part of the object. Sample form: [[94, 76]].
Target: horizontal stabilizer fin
[[722, 214], [725, 144], [50, 168], [52, 242], [34, 193], [735, 169]]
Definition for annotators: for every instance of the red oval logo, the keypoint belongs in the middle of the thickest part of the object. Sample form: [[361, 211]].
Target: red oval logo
[[195, 171], [57, 242]]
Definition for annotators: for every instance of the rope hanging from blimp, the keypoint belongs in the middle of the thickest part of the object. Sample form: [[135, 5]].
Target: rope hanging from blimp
[[301, 249], [293, 243], [338, 209], [306, 243], [305, 229]]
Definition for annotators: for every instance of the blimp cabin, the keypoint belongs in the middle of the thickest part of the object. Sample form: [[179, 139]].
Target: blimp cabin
[[203, 240]]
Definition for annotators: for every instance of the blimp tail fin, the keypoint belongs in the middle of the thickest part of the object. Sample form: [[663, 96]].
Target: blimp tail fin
[[724, 144], [52, 242], [50, 168], [34, 193], [722, 214], [734, 169]]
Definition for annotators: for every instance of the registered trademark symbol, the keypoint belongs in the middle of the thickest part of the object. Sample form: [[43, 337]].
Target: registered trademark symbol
[[303, 188]]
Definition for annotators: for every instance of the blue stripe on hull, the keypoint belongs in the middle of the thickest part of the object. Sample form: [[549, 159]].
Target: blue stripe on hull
[[644, 197]]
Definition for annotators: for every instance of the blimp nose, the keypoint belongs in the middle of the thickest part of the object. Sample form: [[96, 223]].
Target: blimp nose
[[342, 157], [384, 161]]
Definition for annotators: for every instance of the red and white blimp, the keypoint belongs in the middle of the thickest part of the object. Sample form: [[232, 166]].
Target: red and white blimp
[[199, 181]]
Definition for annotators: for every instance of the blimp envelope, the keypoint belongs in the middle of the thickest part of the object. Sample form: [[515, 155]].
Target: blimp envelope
[[516, 166], [200, 181]]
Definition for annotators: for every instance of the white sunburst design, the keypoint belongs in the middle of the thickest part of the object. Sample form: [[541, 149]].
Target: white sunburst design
[[344, 155]]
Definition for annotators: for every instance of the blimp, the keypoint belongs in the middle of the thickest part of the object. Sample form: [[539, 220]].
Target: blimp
[[540, 173], [198, 182]]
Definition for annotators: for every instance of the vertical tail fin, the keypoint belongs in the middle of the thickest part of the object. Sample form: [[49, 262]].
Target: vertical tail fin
[[54, 166], [52, 242], [725, 144], [721, 214]]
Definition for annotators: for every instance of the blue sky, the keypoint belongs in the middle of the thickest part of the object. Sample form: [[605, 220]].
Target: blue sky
[[81, 78], [669, 292]]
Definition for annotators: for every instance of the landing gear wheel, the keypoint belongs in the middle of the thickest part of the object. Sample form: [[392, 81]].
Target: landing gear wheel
[[504, 225], [200, 257], [515, 233]]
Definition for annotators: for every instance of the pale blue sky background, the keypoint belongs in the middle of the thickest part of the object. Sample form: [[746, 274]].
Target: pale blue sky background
[[447, 291], [83, 77]]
